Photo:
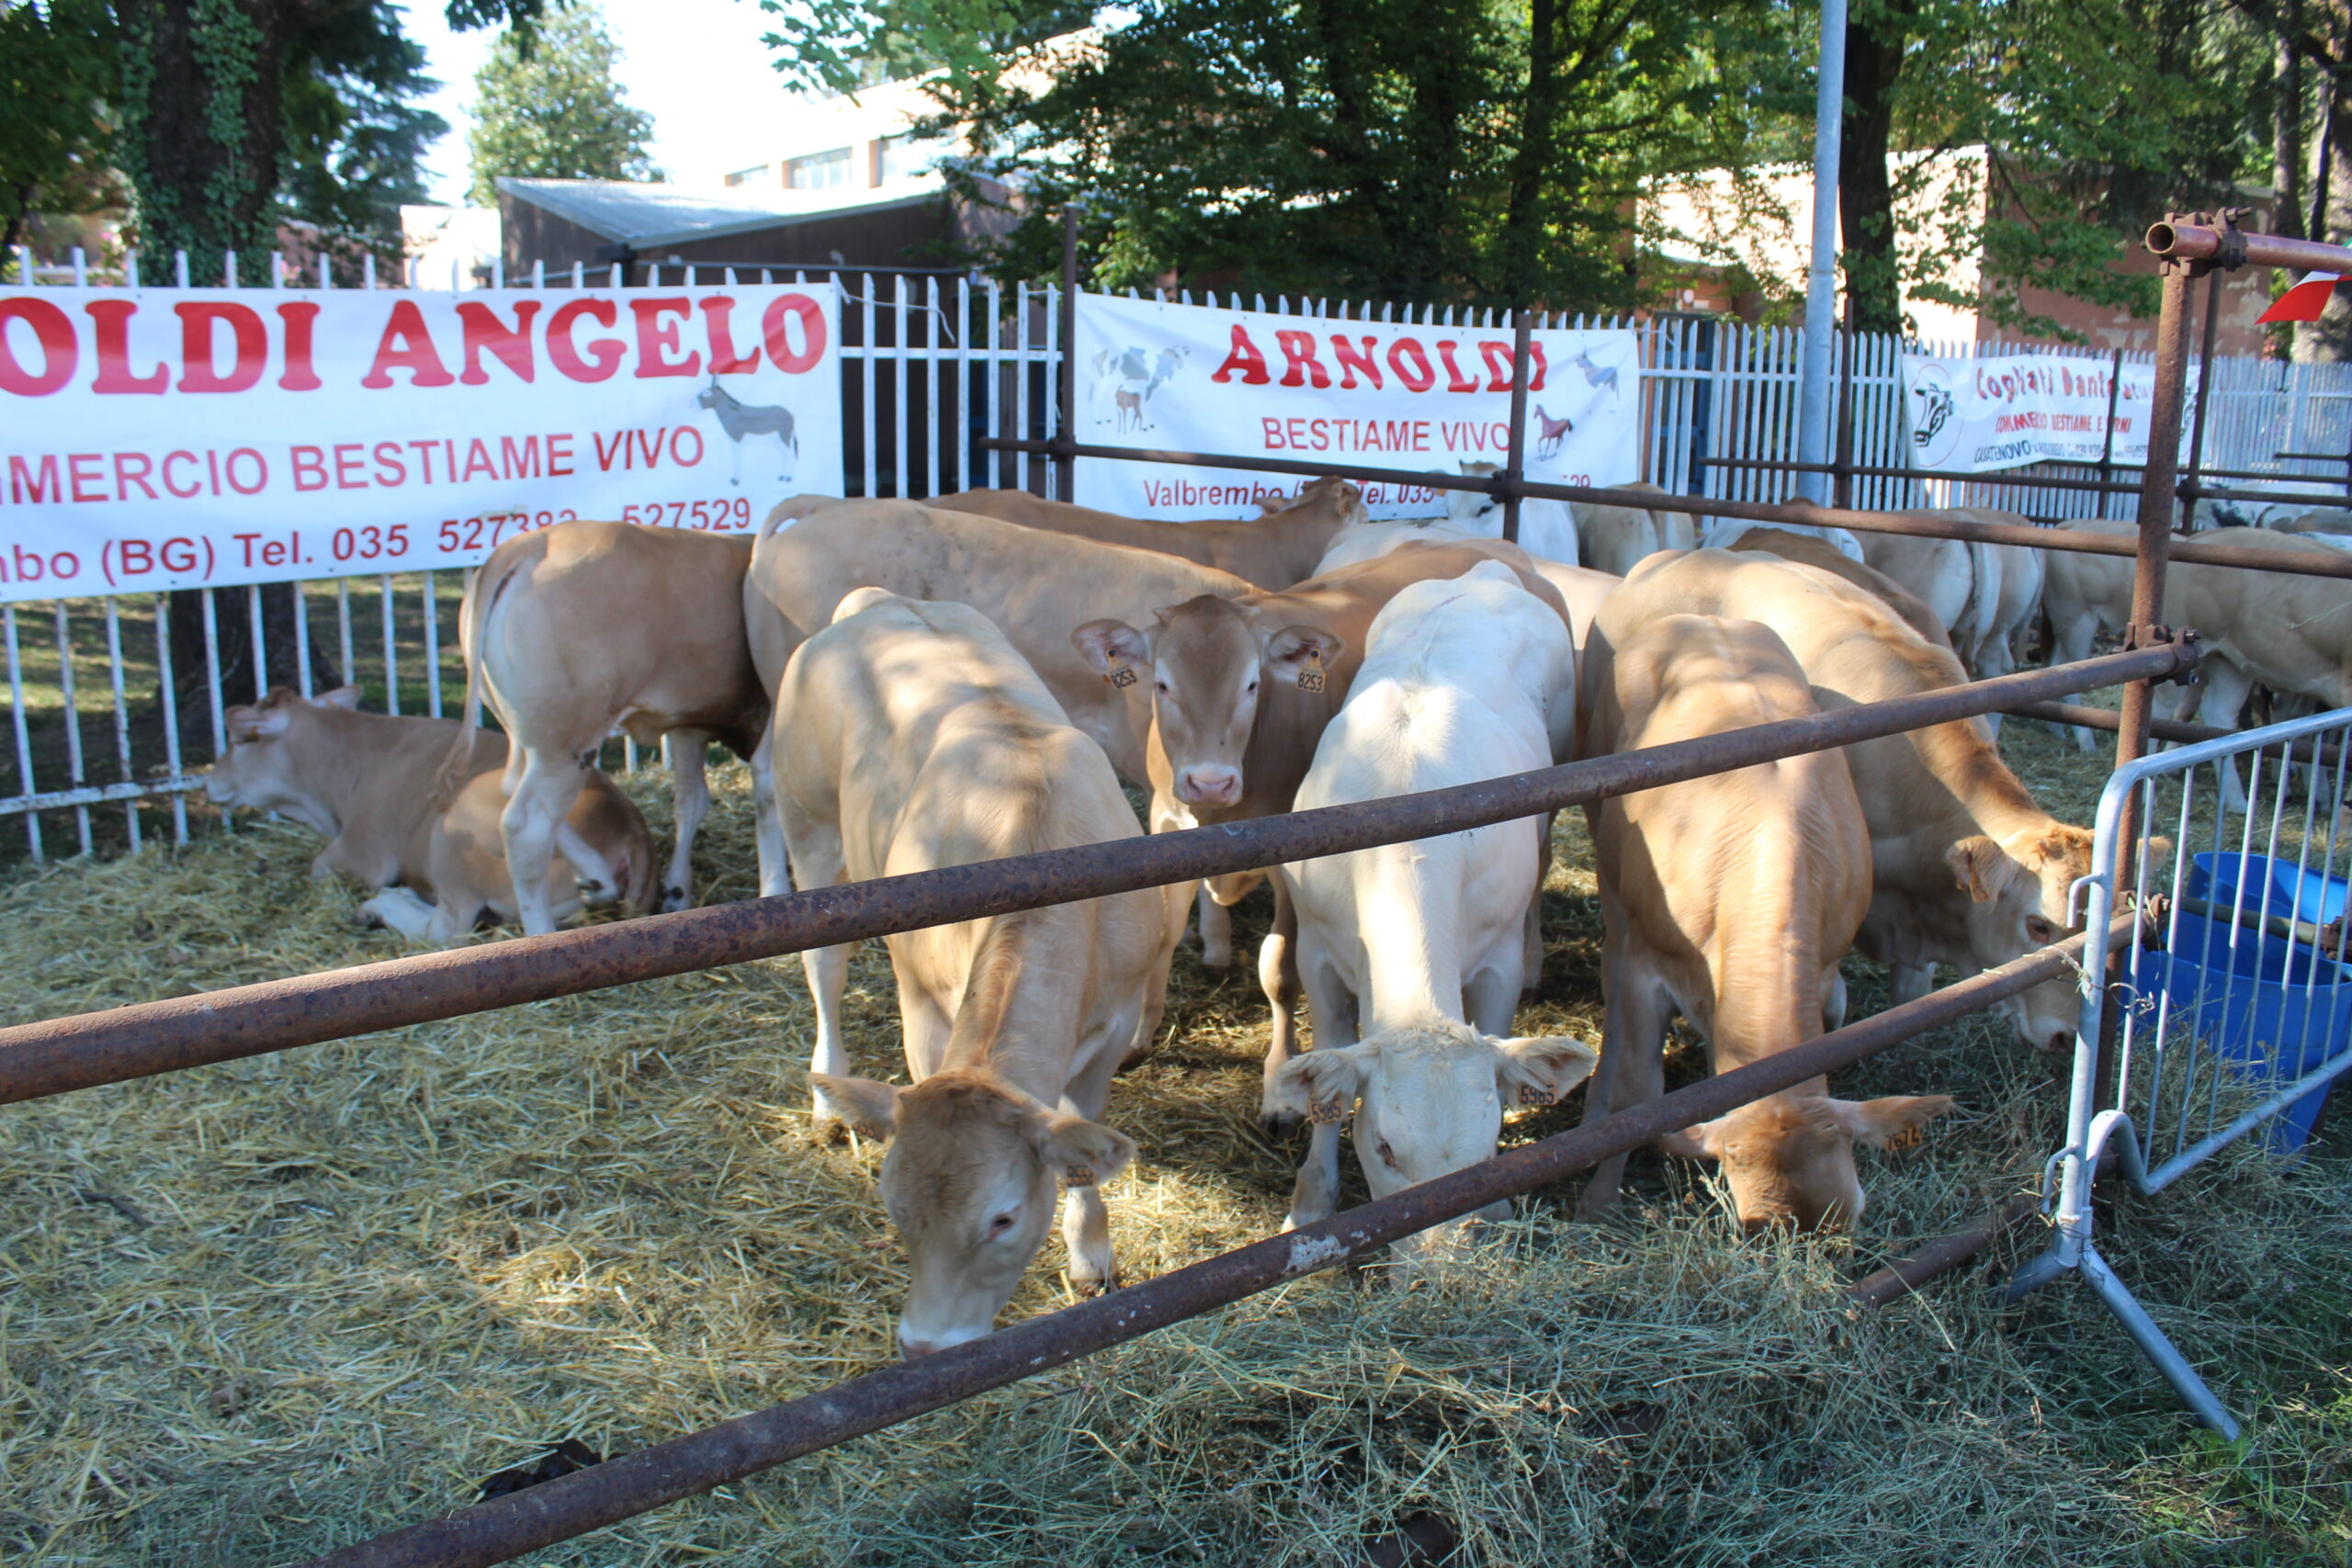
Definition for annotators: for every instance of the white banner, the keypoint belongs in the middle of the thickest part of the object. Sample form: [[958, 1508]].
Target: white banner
[[1974, 416], [1366, 394], [176, 438]]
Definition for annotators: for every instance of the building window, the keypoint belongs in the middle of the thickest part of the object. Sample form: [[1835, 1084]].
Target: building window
[[749, 177], [905, 158], [818, 171]]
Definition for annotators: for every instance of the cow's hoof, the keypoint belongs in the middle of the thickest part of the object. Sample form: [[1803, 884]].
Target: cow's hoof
[[1219, 967], [1086, 1288], [1279, 1124]]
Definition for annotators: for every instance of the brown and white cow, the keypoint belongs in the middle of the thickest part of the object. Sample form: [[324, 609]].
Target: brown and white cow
[[1240, 690], [1273, 550], [917, 737], [368, 782], [1967, 869], [1581, 588], [572, 631], [1739, 929]]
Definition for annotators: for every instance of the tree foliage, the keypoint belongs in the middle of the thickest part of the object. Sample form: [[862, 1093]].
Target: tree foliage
[[551, 109], [1417, 150], [57, 71]]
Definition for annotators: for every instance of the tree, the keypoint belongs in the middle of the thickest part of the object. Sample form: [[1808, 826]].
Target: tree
[[550, 109], [1416, 150], [57, 71]]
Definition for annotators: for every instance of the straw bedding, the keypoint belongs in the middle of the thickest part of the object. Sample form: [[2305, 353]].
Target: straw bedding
[[266, 1308]]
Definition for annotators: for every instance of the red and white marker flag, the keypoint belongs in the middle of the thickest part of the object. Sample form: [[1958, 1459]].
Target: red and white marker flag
[[2306, 302]]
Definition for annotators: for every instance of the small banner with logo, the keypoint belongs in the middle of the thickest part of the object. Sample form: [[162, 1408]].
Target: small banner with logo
[[1994, 411]]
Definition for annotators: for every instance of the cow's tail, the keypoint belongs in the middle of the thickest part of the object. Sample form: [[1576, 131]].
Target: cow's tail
[[489, 581]]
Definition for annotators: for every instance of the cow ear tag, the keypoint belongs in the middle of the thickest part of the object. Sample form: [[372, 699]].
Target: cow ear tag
[[1535, 1094], [1311, 678], [1122, 675], [1327, 1110], [1078, 1175]]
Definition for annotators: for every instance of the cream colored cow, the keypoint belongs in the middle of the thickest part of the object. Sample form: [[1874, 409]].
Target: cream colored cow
[[1274, 550], [915, 737], [1413, 955], [370, 782], [1985, 595], [1967, 869], [572, 631], [1738, 930]]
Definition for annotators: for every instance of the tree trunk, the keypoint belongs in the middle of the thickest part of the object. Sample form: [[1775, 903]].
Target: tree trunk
[[1524, 218], [2286, 125], [1874, 39], [203, 126], [232, 618]]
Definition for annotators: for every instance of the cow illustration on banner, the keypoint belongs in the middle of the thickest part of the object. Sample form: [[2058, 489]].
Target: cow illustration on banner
[[1376, 394], [182, 438]]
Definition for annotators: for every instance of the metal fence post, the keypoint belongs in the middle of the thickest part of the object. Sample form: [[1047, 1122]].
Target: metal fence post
[[1066, 377], [1515, 462]]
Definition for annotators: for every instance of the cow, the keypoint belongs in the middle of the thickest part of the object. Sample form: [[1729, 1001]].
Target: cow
[[919, 738], [1810, 549], [572, 631], [2335, 523], [1412, 955], [1985, 595], [1725, 534], [1548, 529], [1274, 550], [1967, 869], [1034, 585], [1741, 932], [1582, 588], [370, 782], [1617, 538], [1240, 690]]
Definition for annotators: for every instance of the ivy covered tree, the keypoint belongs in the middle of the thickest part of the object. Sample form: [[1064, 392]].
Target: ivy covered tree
[[551, 109]]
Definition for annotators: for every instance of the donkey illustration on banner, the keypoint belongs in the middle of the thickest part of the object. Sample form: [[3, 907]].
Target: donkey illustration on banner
[[740, 419]]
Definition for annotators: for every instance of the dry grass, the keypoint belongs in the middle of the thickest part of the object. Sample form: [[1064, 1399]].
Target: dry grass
[[266, 1308]]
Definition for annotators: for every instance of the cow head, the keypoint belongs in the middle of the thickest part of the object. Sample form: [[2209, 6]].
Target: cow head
[[1327, 498], [1789, 1159], [267, 767], [1208, 660], [970, 1184], [1476, 508], [1429, 1100], [2018, 889]]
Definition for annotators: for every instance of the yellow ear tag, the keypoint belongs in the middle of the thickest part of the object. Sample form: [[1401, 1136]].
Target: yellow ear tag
[[1122, 677], [1534, 1094], [1327, 1110], [1311, 678]]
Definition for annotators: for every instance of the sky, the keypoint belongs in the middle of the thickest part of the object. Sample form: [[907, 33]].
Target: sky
[[697, 66]]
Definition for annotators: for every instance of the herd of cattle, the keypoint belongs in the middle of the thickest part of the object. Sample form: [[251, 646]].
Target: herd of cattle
[[924, 685]]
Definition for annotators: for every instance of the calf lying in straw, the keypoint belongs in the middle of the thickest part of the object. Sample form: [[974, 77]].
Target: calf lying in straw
[[368, 782]]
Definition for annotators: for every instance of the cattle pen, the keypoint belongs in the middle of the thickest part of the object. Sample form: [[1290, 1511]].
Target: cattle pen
[[126, 1042]]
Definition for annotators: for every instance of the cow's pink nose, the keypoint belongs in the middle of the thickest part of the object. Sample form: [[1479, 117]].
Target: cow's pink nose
[[1214, 785]]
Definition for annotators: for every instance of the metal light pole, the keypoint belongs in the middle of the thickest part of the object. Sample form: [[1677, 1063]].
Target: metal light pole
[[1821, 281]]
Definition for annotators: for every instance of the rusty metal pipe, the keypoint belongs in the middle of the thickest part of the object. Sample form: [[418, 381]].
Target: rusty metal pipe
[[2180, 241], [2319, 561], [2174, 729], [2049, 481], [1940, 1255], [504, 1527], [140, 1040]]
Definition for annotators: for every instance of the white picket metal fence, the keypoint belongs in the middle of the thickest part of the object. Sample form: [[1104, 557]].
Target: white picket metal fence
[[2235, 1012], [931, 362]]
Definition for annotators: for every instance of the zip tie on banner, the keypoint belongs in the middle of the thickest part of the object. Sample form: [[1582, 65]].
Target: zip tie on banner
[[945, 325]]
